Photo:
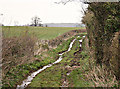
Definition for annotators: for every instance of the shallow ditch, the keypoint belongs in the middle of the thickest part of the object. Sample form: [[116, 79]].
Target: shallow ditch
[[27, 81]]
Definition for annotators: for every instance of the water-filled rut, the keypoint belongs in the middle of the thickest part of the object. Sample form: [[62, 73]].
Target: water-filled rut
[[27, 81]]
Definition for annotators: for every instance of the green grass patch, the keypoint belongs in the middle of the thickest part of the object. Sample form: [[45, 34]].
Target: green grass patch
[[77, 79], [18, 74], [45, 33], [64, 46], [48, 78]]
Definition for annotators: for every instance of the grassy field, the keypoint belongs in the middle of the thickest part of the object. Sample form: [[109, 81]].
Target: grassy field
[[39, 32]]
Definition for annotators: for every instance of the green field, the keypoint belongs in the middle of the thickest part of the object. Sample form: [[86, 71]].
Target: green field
[[39, 32]]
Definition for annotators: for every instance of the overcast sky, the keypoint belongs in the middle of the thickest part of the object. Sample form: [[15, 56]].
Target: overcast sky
[[20, 12]]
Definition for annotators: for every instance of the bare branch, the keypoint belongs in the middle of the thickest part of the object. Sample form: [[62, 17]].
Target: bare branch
[[64, 1]]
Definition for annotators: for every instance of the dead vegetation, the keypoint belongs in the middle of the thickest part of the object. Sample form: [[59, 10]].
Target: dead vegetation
[[101, 77], [17, 51]]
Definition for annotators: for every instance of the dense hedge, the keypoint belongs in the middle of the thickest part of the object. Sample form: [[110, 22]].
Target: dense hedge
[[103, 24]]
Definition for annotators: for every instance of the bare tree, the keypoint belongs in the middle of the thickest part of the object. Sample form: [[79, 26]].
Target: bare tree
[[36, 21], [66, 1], [84, 2]]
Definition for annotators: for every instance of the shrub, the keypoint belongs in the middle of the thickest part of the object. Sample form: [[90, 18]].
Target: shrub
[[17, 51]]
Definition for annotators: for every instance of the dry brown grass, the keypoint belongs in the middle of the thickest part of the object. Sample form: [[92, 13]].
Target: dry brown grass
[[101, 77], [97, 75]]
